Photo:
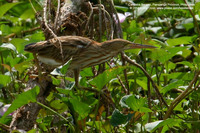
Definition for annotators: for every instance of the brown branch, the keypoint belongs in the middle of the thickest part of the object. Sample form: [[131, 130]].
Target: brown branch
[[100, 21], [181, 96], [14, 34], [50, 30], [120, 81], [194, 18], [160, 97], [57, 14], [149, 99], [4, 127], [89, 18]]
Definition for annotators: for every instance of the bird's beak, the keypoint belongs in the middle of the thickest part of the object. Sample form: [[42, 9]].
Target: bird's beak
[[136, 46]]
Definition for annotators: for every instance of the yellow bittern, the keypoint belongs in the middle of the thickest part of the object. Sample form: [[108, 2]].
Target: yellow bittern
[[83, 51]]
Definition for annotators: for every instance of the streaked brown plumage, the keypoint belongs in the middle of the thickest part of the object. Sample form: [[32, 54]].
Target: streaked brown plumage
[[83, 51]]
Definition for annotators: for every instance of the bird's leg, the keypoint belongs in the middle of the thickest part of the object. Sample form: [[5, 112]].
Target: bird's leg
[[38, 67], [76, 77]]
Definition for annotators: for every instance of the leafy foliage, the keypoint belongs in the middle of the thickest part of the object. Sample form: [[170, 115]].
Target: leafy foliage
[[131, 104]]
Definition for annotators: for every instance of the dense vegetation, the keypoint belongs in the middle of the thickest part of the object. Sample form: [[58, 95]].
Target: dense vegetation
[[133, 103]]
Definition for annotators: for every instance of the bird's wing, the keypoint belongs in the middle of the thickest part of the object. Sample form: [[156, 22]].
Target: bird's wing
[[51, 48]]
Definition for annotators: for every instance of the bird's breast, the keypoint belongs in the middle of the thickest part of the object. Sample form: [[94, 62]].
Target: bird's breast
[[49, 61]]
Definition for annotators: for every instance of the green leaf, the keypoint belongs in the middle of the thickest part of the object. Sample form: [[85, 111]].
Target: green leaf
[[186, 63], [196, 61], [118, 118], [142, 83], [145, 110], [87, 72], [122, 8], [164, 55], [169, 66], [8, 46], [21, 67], [151, 127], [123, 101], [172, 85], [63, 91], [5, 79], [22, 99], [4, 8], [141, 10], [62, 70], [188, 26], [58, 105], [65, 67], [55, 81], [5, 29], [81, 108], [161, 55], [180, 40], [136, 104], [19, 44], [29, 13], [106, 76], [32, 131]]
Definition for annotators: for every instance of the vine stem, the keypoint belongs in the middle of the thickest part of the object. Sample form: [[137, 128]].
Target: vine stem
[[160, 97], [181, 96], [44, 106]]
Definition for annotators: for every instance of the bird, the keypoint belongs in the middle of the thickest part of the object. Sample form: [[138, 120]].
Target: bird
[[83, 51]]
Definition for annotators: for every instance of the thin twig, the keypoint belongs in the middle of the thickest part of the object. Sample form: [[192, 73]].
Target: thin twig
[[194, 18], [57, 14], [45, 19], [89, 18], [149, 99], [32, 6], [160, 97], [50, 30], [38, 67], [100, 21], [120, 81], [119, 29], [13, 34]]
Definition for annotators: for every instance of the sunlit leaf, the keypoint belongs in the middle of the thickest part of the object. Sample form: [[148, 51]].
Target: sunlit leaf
[[4, 8], [65, 67], [186, 63], [172, 85], [141, 10], [106, 76], [81, 108], [55, 81], [19, 44], [59, 105], [137, 104], [196, 61], [5, 29], [8, 46], [5, 79], [28, 14], [7, 67], [151, 127], [123, 101], [188, 26], [21, 67], [180, 40]]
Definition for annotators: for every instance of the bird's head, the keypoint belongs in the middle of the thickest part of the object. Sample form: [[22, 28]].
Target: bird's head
[[121, 44]]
